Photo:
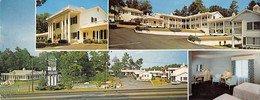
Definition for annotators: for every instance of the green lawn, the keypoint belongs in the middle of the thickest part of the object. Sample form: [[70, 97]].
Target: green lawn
[[192, 31], [20, 83], [157, 82], [215, 38]]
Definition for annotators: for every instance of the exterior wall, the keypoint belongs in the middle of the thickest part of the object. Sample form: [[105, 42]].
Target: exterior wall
[[95, 13], [126, 16], [182, 78], [216, 42]]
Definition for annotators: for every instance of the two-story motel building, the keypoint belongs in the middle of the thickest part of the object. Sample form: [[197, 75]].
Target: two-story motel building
[[75, 24], [209, 22]]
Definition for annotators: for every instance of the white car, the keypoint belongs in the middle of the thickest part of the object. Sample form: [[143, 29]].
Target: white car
[[219, 34]]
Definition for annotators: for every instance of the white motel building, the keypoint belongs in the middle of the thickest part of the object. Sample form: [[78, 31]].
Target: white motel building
[[75, 24], [246, 24]]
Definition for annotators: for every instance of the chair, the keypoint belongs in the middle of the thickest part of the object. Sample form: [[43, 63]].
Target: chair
[[232, 81], [216, 78]]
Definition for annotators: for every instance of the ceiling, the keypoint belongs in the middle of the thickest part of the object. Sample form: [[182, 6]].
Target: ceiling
[[221, 54]]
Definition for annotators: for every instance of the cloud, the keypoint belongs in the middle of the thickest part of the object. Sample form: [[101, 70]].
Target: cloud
[[0, 1]]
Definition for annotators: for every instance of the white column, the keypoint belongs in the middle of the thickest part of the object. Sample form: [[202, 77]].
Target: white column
[[185, 23], [52, 32], [195, 22], [207, 22], [200, 21], [163, 22], [55, 80], [190, 23], [49, 80], [65, 31], [61, 27], [98, 35], [215, 27], [233, 40], [49, 31], [69, 27], [175, 23], [223, 26], [168, 22]]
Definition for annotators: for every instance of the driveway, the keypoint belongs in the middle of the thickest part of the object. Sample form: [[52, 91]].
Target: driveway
[[130, 83], [126, 38]]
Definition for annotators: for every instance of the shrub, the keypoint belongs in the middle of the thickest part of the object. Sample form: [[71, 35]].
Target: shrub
[[88, 41], [193, 38], [95, 41], [202, 31], [52, 88], [138, 28], [43, 82], [40, 45], [104, 41], [60, 87], [175, 29], [153, 78], [63, 41], [40, 88], [48, 41], [167, 80]]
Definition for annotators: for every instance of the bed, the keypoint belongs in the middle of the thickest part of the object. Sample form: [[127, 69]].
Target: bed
[[226, 97], [247, 91]]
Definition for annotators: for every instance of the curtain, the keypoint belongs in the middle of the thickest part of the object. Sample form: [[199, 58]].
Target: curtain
[[242, 71], [233, 67], [251, 70]]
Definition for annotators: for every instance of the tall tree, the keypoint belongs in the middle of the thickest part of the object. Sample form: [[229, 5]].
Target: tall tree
[[129, 3], [233, 8], [125, 61], [41, 24], [138, 63], [135, 4], [40, 2], [145, 6], [116, 67], [99, 60], [196, 7], [177, 12], [184, 11], [221, 10], [252, 4], [114, 5]]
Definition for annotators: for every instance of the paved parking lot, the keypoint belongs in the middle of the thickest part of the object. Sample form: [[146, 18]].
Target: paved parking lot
[[126, 38]]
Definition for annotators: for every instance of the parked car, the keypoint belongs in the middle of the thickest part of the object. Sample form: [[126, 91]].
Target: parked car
[[112, 25], [176, 83], [219, 34]]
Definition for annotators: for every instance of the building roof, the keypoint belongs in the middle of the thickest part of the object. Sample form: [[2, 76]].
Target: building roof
[[132, 9], [186, 17], [244, 11], [65, 9], [42, 34], [23, 72]]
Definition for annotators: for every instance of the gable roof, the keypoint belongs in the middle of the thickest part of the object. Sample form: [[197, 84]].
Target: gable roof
[[244, 11]]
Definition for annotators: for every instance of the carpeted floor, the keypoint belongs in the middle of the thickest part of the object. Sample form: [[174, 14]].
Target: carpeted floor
[[209, 91]]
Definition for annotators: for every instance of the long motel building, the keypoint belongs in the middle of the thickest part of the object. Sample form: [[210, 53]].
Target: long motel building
[[75, 24], [245, 25]]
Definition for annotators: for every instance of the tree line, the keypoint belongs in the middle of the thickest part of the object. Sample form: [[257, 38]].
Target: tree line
[[126, 62], [165, 66], [197, 6]]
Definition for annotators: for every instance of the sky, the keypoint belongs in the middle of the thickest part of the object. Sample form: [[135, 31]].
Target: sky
[[153, 58], [168, 6], [52, 6]]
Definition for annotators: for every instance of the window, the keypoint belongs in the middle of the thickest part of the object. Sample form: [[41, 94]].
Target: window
[[213, 17], [84, 35], [154, 22], [78, 35], [241, 70], [57, 25], [249, 26], [105, 34], [185, 78], [250, 40], [73, 20], [101, 37], [93, 34], [92, 19], [256, 25]]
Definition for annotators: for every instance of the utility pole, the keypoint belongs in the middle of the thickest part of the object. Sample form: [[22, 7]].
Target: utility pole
[[32, 74], [106, 76]]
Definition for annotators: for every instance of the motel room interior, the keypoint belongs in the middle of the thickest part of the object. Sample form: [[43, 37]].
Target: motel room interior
[[224, 75]]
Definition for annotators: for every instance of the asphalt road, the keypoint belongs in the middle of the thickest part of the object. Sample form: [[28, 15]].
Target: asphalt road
[[132, 94], [126, 38]]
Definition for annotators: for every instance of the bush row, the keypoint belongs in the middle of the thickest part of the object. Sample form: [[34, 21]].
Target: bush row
[[51, 88], [89, 41], [193, 38], [175, 29], [138, 28], [129, 23]]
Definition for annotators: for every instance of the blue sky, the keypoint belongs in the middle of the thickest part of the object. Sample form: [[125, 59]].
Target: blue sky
[[52, 6], [168, 6], [153, 58], [17, 25]]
